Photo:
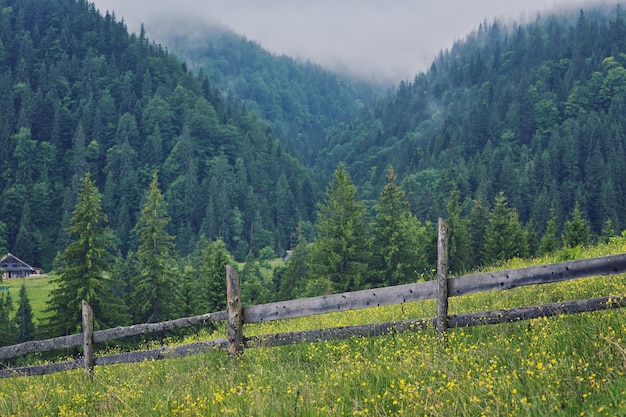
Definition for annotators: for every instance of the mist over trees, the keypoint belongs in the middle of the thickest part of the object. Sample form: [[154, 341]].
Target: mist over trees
[[138, 180]]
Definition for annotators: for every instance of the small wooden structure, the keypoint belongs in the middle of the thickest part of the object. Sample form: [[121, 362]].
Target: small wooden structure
[[13, 267]]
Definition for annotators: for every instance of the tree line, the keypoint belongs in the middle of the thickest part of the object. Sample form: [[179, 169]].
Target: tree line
[[353, 247]]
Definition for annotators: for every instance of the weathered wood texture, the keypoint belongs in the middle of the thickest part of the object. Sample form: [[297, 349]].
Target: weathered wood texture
[[501, 280], [66, 342], [338, 333], [461, 320], [235, 313], [88, 357], [442, 278], [63, 342], [119, 332], [49, 368], [341, 302], [128, 357], [543, 274]]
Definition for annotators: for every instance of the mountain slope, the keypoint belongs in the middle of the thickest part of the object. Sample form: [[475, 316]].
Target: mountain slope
[[301, 101], [80, 94], [533, 110]]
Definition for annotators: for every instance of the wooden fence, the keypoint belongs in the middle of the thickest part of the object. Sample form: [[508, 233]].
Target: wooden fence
[[236, 315]]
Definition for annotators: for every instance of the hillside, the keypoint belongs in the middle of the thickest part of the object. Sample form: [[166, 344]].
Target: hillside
[[533, 110], [300, 101], [568, 364], [80, 94]]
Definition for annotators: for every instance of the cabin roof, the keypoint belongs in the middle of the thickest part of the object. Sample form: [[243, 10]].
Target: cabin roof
[[12, 259]]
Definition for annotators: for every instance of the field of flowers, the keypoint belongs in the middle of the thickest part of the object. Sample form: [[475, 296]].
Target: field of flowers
[[571, 365]]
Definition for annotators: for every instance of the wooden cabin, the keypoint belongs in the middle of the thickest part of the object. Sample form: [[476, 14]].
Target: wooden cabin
[[13, 267]]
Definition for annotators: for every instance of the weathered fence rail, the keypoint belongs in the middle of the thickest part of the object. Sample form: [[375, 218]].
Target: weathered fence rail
[[236, 315]]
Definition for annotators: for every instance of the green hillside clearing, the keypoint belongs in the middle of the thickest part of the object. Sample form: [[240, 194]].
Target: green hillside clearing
[[565, 365]]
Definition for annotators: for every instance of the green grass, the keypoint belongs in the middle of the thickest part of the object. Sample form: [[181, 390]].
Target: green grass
[[572, 365], [37, 289]]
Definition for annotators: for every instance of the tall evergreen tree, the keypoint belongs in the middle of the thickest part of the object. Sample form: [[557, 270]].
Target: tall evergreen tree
[[342, 248], [155, 294], [212, 273], [8, 331], [504, 237], [549, 241], [253, 289], [84, 263], [397, 253], [24, 319], [458, 236], [576, 229]]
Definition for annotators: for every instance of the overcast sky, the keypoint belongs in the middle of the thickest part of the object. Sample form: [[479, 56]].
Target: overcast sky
[[393, 40]]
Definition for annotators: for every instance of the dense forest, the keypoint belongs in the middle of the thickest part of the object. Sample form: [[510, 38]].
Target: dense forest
[[137, 179], [535, 111], [79, 94], [300, 101]]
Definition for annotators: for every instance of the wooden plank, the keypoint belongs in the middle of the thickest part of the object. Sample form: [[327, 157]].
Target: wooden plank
[[127, 357], [442, 279], [341, 302], [63, 342], [339, 333], [235, 313], [461, 320], [532, 312], [88, 357], [164, 352], [119, 332], [543, 274], [49, 368]]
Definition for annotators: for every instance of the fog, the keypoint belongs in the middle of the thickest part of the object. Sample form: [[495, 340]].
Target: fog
[[388, 41]]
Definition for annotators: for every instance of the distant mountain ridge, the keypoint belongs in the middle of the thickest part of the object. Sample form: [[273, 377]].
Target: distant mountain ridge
[[302, 102], [80, 94], [533, 110]]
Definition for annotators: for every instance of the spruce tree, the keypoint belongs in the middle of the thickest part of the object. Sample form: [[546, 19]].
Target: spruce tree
[[253, 289], [84, 264], [504, 237], [212, 273], [549, 241], [342, 247], [8, 331], [24, 319], [576, 229], [459, 243], [155, 295], [397, 253]]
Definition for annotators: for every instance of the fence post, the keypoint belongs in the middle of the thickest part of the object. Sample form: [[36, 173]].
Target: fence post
[[234, 313], [442, 279], [88, 358]]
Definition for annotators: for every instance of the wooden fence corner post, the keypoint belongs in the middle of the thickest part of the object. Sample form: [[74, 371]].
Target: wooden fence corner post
[[234, 313], [88, 358], [442, 280]]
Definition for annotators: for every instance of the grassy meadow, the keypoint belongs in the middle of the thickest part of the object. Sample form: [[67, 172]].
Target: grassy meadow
[[569, 365], [37, 289]]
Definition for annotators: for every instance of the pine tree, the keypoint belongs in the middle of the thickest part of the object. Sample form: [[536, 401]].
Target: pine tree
[[212, 273], [459, 243], [478, 222], [24, 319], [549, 241], [341, 247], [253, 289], [155, 295], [84, 264], [504, 237], [576, 229], [8, 331], [297, 271], [397, 253]]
